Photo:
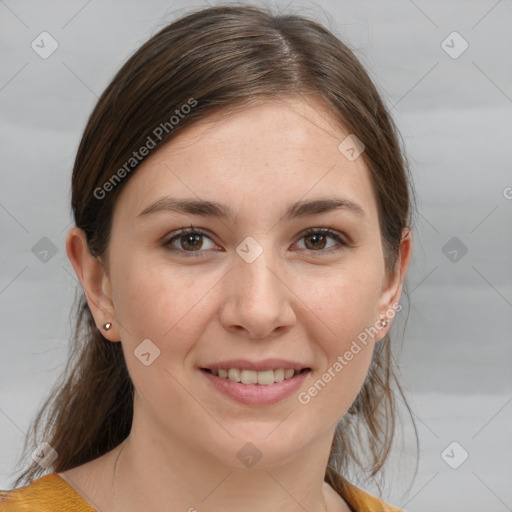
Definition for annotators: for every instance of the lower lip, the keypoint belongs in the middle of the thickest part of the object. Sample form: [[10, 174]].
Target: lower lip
[[257, 394]]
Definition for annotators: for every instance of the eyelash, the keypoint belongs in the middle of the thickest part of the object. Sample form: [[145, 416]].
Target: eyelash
[[309, 232]]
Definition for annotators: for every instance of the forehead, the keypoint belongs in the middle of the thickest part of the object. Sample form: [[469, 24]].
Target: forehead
[[269, 154]]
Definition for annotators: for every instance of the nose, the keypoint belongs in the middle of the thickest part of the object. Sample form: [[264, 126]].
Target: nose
[[257, 301]]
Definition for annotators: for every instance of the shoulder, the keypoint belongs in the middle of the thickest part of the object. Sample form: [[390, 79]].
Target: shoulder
[[361, 500], [49, 493]]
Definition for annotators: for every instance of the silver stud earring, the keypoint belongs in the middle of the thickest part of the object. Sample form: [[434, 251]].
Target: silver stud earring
[[107, 326], [383, 323]]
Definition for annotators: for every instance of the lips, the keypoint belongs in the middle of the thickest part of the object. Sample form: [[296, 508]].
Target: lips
[[255, 394], [257, 366]]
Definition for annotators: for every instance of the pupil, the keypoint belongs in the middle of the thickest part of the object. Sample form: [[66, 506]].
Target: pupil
[[316, 237], [192, 240]]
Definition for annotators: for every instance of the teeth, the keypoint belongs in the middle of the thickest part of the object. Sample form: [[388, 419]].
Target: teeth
[[264, 378], [234, 374], [249, 377], [288, 373], [278, 375]]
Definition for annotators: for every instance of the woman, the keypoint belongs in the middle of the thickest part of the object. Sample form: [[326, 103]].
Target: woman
[[242, 211]]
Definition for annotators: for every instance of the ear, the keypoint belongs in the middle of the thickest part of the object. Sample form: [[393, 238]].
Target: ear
[[95, 282], [392, 289]]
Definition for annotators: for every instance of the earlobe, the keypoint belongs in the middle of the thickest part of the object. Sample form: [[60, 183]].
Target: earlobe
[[94, 280]]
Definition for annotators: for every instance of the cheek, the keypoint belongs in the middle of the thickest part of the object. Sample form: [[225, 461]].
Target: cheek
[[344, 302], [155, 301], [344, 306], [330, 391]]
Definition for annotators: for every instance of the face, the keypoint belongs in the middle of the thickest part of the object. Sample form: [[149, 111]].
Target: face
[[251, 287]]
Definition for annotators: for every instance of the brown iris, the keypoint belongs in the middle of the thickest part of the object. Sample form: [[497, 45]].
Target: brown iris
[[315, 236]]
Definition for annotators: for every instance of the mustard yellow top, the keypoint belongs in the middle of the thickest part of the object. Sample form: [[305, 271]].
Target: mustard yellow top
[[51, 493]]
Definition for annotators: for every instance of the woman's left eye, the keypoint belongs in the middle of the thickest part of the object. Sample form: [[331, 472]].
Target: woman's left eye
[[319, 237], [191, 240]]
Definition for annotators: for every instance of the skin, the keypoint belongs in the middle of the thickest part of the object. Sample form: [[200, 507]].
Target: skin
[[302, 299]]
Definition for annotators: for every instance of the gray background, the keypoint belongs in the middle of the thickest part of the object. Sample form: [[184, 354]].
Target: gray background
[[454, 115]]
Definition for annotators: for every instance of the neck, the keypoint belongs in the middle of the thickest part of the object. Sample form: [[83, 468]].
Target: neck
[[149, 470]]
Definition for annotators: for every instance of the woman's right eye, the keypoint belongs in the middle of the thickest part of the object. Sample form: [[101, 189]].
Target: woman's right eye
[[188, 240]]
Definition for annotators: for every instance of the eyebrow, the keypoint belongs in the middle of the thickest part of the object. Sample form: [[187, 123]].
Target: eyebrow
[[222, 211]]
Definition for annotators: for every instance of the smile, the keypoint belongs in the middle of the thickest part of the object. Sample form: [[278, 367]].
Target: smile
[[256, 387]]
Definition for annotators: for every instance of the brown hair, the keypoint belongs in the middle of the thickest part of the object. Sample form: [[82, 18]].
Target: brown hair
[[222, 58]]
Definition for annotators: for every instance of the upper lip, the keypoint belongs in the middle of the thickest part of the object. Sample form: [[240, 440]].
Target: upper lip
[[245, 364]]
